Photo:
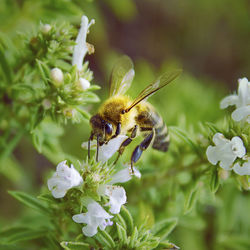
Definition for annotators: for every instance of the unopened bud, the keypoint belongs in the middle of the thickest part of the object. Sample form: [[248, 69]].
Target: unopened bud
[[56, 76], [83, 83], [224, 174], [46, 104], [46, 28]]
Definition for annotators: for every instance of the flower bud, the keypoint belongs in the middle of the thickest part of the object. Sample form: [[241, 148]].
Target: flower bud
[[69, 112], [83, 83], [56, 76], [46, 104], [46, 28]]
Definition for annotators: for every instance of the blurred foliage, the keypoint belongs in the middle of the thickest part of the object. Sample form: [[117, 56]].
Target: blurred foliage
[[209, 39]]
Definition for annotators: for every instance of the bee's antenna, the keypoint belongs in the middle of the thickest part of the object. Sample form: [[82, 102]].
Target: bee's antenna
[[97, 147]]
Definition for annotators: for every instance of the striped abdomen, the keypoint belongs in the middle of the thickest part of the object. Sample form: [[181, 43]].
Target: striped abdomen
[[149, 120]]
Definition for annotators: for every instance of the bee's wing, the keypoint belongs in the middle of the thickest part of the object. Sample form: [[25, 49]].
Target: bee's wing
[[122, 76], [159, 83]]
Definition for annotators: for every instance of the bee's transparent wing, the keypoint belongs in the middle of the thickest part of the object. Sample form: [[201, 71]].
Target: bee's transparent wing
[[159, 83], [122, 76]]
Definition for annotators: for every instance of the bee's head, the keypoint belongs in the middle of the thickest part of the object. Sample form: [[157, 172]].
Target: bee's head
[[101, 130]]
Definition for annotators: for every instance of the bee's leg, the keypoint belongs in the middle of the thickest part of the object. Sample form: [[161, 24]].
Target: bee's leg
[[118, 130], [90, 139], [126, 143], [140, 148]]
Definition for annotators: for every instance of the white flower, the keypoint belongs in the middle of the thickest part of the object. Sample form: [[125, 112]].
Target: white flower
[[94, 218], [106, 151], [64, 179], [241, 101], [244, 169], [56, 76], [83, 83], [117, 194], [117, 197], [81, 47], [225, 151]]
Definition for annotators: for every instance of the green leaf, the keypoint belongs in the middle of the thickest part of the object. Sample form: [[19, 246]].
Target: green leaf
[[163, 228], [121, 233], [191, 198], [212, 127], [167, 245], [6, 70], [17, 234], [29, 201], [128, 219], [44, 71], [214, 181], [105, 239], [84, 113], [68, 245], [133, 238]]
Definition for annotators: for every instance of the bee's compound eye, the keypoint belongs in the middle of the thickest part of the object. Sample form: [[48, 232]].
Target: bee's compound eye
[[123, 111], [108, 128]]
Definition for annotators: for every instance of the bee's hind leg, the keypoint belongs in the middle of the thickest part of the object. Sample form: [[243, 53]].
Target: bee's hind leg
[[140, 148], [126, 143]]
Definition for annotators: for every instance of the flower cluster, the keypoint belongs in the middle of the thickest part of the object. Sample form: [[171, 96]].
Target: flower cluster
[[66, 178], [232, 154]]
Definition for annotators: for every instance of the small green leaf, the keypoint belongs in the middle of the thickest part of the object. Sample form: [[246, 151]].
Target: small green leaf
[[167, 245], [214, 181], [44, 70], [191, 198], [134, 238], [84, 113], [68, 245], [29, 201], [105, 239], [128, 219], [164, 228], [6, 70], [121, 233], [212, 127]]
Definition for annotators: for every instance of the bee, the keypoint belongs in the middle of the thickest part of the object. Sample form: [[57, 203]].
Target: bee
[[120, 115]]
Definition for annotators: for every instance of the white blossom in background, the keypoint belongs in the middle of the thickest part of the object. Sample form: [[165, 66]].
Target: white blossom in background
[[240, 100], [64, 179], [225, 151], [106, 151], [244, 169], [94, 218], [82, 47]]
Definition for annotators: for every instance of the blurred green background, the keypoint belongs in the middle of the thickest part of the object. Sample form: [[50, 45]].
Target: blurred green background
[[209, 39]]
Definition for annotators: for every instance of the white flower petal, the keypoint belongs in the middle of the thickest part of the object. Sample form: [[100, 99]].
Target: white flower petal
[[83, 83], [243, 92], [124, 175], [80, 218], [238, 147], [106, 151], [89, 230], [242, 170], [241, 113], [81, 47], [228, 101], [212, 155]]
